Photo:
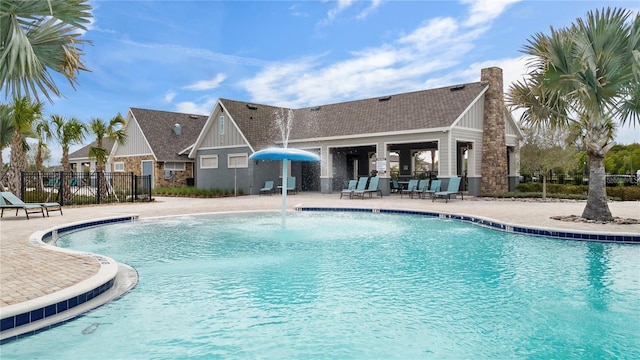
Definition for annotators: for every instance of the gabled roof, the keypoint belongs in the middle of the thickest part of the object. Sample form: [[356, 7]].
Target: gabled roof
[[413, 111], [157, 126], [83, 153]]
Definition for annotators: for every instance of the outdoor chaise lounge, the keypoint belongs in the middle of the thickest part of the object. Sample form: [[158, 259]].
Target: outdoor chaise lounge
[[452, 189], [433, 188], [28, 208], [423, 185], [413, 184], [352, 185], [291, 185], [268, 188], [16, 203], [372, 187]]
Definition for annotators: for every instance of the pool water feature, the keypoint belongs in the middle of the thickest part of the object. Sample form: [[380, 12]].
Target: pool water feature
[[350, 285]]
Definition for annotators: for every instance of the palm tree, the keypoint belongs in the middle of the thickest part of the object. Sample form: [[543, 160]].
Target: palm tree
[[114, 131], [588, 76], [6, 131], [36, 36], [22, 115], [67, 132], [43, 134]]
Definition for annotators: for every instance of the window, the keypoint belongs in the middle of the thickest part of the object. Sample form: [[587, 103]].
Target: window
[[174, 166], [221, 124], [118, 166], [238, 161], [209, 162]]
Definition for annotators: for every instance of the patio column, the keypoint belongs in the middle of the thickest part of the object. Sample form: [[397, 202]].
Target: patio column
[[326, 170]]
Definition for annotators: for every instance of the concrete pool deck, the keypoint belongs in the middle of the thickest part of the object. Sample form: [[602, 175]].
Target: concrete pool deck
[[29, 272]]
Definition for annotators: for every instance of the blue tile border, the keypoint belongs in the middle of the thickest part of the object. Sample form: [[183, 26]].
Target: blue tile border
[[492, 224], [39, 314]]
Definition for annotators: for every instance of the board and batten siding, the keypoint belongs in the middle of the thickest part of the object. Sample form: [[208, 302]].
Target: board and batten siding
[[215, 139], [136, 143], [472, 119]]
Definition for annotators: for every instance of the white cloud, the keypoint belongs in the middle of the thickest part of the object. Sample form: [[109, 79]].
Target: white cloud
[[397, 66], [364, 13], [169, 96], [484, 11], [206, 84], [201, 108], [341, 5]]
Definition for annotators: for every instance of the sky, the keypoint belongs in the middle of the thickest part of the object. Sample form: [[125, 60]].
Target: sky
[[183, 56]]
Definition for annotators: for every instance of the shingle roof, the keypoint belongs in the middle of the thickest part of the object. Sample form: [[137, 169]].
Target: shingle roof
[[419, 110], [157, 126], [84, 151]]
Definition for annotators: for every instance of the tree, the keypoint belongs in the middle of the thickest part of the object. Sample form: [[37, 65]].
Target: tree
[[67, 132], [22, 115], [36, 36], [587, 76], [545, 149], [114, 131], [6, 132]]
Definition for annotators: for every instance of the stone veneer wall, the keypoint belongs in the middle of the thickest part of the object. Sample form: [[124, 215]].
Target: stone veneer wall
[[134, 164], [494, 142]]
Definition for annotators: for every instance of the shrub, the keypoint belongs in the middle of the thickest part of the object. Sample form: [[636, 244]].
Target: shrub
[[194, 192], [625, 193]]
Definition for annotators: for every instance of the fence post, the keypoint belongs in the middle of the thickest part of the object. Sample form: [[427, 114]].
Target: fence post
[[61, 188], [134, 191], [23, 187], [98, 187]]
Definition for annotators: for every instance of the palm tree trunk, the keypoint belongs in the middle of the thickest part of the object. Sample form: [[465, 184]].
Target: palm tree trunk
[[597, 207], [66, 182], [17, 163]]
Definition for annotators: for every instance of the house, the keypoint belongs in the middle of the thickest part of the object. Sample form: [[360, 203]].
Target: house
[[158, 143], [466, 125], [81, 162]]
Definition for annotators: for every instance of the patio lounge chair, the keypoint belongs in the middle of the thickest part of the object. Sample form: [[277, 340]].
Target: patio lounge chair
[[291, 185], [352, 185], [452, 189], [434, 188], [413, 184], [268, 188], [423, 185], [395, 186], [28, 209], [372, 187], [16, 203]]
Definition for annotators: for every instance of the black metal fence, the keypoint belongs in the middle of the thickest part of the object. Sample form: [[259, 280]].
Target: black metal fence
[[77, 188], [578, 179]]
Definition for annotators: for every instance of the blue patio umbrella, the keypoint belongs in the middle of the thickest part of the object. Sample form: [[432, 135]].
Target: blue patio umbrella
[[284, 154]]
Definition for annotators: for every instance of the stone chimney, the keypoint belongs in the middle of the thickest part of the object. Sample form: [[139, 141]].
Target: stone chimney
[[494, 142]]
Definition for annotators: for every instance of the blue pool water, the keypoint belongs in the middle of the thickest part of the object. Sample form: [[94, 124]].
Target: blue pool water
[[350, 285]]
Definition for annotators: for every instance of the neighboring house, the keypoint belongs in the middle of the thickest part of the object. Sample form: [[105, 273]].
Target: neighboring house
[[80, 161], [467, 125], [158, 143]]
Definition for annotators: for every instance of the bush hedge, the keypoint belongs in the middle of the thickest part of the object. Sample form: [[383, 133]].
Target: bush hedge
[[624, 193], [190, 191]]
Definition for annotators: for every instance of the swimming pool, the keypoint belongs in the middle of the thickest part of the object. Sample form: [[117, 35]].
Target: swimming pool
[[350, 285]]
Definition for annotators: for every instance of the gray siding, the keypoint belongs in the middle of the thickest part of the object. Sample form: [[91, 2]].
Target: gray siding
[[473, 118], [214, 139], [136, 143]]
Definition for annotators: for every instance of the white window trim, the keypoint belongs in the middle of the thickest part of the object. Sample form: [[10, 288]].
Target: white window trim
[[118, 164], [204, 157], [242, 165], [180, 166]]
